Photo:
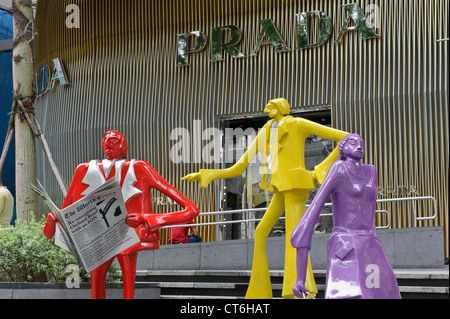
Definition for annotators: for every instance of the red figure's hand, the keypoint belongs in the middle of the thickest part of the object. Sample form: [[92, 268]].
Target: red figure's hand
[[153, 221], [50, 226], [134, 220]]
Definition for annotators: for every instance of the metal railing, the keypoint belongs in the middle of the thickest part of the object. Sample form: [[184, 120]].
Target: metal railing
[[413, 199], [250, 210], [255, 210]]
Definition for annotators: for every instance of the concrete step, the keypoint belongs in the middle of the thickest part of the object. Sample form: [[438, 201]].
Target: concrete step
[[217, 284], [227, 290], [423, 290]]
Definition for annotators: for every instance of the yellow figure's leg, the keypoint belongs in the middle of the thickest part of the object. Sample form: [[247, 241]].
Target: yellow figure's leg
[[295, 202], [260, 286]]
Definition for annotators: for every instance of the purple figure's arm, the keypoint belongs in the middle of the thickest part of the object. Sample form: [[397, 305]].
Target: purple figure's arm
[[302, 235]]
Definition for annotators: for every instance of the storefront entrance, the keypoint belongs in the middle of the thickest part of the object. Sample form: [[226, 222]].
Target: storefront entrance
[[244, 192]]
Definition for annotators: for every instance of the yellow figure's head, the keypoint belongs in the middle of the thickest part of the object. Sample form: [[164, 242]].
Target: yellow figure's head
[[278, 108]]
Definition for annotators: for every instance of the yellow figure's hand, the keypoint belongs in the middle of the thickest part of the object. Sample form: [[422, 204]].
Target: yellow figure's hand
[[204, 177], [321, 170]]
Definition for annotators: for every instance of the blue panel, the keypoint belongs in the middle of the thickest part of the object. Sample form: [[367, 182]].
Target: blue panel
[[6, 26], [6, 86]]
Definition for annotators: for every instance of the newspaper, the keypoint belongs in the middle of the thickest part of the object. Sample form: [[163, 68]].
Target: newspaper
[[93, 229]]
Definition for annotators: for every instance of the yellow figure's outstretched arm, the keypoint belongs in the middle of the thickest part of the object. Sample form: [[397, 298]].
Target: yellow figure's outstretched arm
[[206, 176], [321, 170]]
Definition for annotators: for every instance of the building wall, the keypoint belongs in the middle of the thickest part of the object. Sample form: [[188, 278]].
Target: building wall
[[121, 63]]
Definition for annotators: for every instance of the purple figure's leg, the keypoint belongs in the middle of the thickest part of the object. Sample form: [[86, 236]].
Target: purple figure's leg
[[295, 202]]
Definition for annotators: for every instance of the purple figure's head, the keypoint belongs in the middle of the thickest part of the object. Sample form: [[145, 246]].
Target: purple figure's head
[[352, 146]]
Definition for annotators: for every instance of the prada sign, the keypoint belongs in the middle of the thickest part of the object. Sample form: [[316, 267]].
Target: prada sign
[[196, 41]]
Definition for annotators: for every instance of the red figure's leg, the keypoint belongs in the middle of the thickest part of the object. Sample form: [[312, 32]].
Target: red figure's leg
[[128, 265], [98, 281]]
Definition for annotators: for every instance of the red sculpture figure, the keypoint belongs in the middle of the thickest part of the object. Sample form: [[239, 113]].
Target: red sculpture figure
[[137, 179]]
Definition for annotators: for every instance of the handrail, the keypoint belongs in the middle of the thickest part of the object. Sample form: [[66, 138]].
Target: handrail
[[414, 199], [380, 201], [230, 212], [252, 220], [257, 220]]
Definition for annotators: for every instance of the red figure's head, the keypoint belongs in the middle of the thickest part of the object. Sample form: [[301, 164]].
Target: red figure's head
[[115, 145]]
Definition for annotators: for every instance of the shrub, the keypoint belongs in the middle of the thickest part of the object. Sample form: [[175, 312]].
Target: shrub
[[26, 255]]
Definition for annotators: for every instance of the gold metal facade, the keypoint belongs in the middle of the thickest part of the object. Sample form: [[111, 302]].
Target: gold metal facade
[[122, 66]]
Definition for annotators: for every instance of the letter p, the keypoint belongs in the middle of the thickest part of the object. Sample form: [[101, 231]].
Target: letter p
[[185, 41]]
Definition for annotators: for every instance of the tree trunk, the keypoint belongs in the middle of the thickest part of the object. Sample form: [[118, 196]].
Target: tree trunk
[[23, 75]]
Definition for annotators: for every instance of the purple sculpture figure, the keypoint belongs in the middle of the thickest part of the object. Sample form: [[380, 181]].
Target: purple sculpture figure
[[357, 264]]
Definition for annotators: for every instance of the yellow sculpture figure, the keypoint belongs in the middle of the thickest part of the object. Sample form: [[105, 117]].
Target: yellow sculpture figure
[[6, 207], [281, 143]]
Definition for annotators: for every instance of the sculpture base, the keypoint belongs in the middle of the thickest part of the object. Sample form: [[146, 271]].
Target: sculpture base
[[408, 248]]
